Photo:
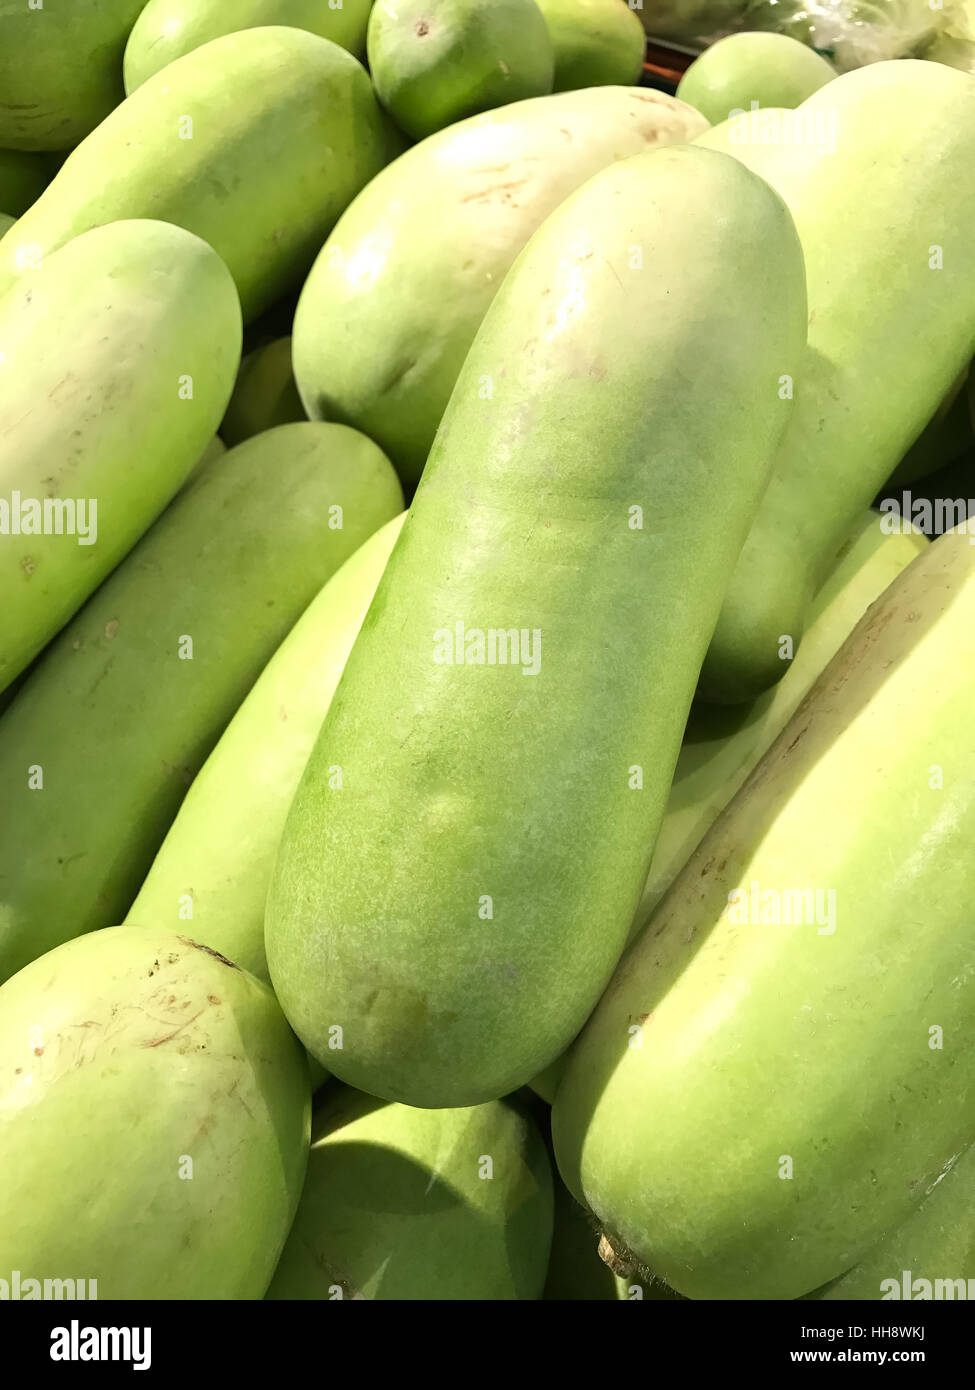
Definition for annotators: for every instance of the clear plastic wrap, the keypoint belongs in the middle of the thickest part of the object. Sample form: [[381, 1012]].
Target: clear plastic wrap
[[955, 43], [851, 33]]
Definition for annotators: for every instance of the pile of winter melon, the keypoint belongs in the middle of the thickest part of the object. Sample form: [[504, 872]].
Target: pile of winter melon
[[487, 764]]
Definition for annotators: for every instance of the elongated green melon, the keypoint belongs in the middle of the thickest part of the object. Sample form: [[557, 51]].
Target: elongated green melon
[[509, 719], [419, 1204], [60, 68], [596, 42], [169, 29], [154, 1121], [888, 334], [928, 1254], [23, 178], [261, 177], [102, 741], [723, 743], [434, 65], [119, 356], [396, 296], [748, 70], [781, 1067], [211, 875], [265, 394]]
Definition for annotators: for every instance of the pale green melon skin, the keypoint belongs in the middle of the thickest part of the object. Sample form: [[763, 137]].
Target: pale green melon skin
[[23, 178], [262, 180], [169, 29], [96, 345], [395, 1205], [118, 721], [60, 69], [596, 42], [721, 1047], [433, 64], [770, 69], [122, 1056], [936, 1242], [265, 394], [722, 745], [873, 320], [220, 849], [459, 781], [395, 299]]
